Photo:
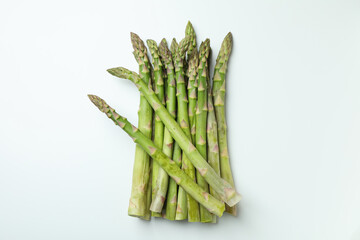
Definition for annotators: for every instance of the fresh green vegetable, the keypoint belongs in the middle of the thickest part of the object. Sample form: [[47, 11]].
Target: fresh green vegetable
[[212, 204], [159, 176], [201, 118], [225, 190], [169, 149], [212, 141], [219, 103], [182, 205], [138, 204]]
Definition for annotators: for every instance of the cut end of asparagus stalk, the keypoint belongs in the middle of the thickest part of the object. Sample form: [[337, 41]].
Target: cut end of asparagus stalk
[[157, 204], [234, 200]]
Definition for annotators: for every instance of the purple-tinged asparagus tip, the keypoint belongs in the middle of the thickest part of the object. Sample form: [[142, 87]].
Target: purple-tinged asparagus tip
[[97, 101]]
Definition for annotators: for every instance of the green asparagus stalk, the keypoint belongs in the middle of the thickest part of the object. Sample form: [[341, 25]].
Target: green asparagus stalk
[[215, 206], [212, 141], [226, 192], [219, 103], [159, 176], [168, 147], [182, 205], [191, 50], [183, 119], [192, 84], [201, 119], [138, 205]]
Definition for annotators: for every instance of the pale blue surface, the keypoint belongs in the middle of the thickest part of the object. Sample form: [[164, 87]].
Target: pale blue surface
[[293, 90]]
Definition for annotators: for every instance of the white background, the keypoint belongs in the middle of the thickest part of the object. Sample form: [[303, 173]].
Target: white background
[[293, 101]]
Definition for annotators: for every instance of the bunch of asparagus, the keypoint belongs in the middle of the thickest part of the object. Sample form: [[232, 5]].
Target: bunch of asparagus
[[181, 168]]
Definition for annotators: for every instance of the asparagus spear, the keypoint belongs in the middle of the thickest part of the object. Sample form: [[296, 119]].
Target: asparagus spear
[[192, 84], [182, 205], [226, 192], [159, 176], [214, 205], [212, 141], [183, 119], [219, 103], [138, 205], [190, 34], [201, 117], [168, 148]]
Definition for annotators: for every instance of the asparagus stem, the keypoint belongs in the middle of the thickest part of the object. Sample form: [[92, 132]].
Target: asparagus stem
[[181, 209], [226, 192], [183, 120], [172, 195], [211, 134], [192, 84], [138, 205], [159, 177], [182, 205], [219, 103], [148, 213], [201, 118], [215, 206], [212, 141], [192, 102]]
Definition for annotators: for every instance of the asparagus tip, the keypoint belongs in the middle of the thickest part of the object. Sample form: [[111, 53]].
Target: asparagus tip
[[150, 42], [120, 72], [152, 45], [112, 71], [115, 72], [97, 101], [165, 51], [137, 43], [189, 28], [163, 41], [133, 35], [173, 46], [227, 42]]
